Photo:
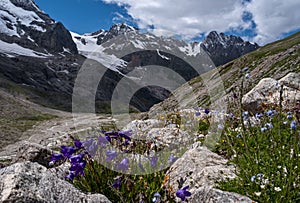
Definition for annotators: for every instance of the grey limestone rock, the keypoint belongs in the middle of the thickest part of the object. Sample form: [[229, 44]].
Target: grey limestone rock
[[201, 169], [211, 195], [31, 182], [268, 90]]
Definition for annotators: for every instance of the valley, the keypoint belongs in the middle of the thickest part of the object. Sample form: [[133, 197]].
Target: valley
[[124, 115]]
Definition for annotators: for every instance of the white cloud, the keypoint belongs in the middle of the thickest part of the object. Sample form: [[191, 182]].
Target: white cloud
[[274, 17], [193, 17]]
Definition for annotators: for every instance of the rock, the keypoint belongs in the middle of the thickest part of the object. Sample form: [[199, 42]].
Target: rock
[[291, 80], [158, 134], [56, 39], [26, 151], [140, 128], [253, 100], [34, 153], [172, 138], [211, 195], [199, 167], [31, 182], [267, 91]]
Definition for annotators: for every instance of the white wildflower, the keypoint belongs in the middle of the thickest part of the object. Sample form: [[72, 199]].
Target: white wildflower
[[277, 189], [257, 193], [265, 181], [292, 153]]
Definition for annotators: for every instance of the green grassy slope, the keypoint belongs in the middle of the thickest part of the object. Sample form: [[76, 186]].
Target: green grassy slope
[[16, 117]]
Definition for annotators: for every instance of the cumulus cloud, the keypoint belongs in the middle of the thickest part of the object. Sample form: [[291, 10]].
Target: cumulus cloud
[[191, 18], [273, 18]]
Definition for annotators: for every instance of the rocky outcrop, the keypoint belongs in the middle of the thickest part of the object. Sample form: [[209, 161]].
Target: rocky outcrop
[[201, 169], [140, 128], [31, 182], [56, 39], [267, 92]]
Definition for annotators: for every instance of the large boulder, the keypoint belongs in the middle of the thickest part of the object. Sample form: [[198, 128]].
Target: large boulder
[[211, 195], [31, 182], [201, 169], [268, 90]]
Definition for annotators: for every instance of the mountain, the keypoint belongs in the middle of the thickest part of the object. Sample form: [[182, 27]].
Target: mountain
[[216, 87], [115, 30], [132, 55], [24, 24], [224, 48], [130, 49], [40, 58], [220, 47]]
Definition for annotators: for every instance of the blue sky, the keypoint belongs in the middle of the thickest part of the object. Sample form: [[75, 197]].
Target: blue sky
[[82, 16], [256, 21]]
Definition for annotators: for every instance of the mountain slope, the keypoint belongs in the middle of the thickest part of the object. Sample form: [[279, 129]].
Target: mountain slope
[[23, 23], [18, 116], [273, 60]]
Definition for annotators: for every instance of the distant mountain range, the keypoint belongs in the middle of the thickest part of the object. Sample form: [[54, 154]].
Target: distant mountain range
[[221, 48], [42, 58]]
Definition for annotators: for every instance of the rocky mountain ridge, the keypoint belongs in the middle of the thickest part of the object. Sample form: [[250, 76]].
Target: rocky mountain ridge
[[220, 47], [224, 48]]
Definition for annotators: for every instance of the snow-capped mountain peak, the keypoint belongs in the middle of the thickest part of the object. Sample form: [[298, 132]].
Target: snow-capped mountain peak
[[115, 30], [24, 24], [121, 28], [224, 48]]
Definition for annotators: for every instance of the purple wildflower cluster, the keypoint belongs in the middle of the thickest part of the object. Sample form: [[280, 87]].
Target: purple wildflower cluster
[[77, 161], [110, 146], [78, 153]]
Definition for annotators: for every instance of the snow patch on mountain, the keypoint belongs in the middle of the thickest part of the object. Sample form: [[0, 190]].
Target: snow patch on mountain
[[85, 43], [110, 61], [87, 46], [27, 4], [11, 50], [192, 49], [20, 16], [162, 56]]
